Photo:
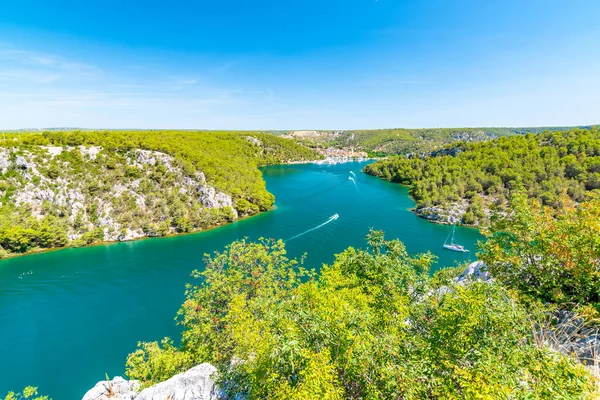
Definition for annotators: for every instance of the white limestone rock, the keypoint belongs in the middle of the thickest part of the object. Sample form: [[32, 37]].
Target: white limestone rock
[[130, 235], [195, 384], [91, 152], [476, 271], [116, 389], [4, 160], [53, 150], [21, 162], [149, 157], [211, 198], [254, 141]]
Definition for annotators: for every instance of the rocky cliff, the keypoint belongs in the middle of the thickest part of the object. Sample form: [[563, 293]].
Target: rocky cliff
[[88, 194]]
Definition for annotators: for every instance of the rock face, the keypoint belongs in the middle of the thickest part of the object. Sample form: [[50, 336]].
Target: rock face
[[212, 198], [194, 384], [572, 335], [116, 389], [451, 214], [254, 141], [475, 272], [124, 196]]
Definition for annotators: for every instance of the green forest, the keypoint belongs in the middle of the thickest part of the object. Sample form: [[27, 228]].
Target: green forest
[[384, 142], [476, 177], [69, 188]]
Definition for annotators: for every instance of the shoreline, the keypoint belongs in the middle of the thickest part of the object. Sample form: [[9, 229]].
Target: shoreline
[[324, 161], [111, 242], [414, 209]]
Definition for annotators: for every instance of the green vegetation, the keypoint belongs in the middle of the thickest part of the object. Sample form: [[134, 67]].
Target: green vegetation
[[77, 188], [383, 142], [372, 325], [28, 393], [473, 177], [546, 254]]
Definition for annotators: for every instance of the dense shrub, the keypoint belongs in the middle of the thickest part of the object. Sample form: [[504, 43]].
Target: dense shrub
[[372, 325], [549, 254]]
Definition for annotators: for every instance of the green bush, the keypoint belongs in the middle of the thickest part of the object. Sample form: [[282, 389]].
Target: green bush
[[372, 325], [548, 254]]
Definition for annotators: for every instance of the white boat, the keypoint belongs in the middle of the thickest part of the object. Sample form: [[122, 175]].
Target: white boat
[[452, 245], [335, 216]]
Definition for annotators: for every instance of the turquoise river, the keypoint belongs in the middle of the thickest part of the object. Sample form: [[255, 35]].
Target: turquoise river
[[69, 317]]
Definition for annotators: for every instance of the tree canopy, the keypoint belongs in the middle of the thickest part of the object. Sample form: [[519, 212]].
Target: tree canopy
[[485, 174]]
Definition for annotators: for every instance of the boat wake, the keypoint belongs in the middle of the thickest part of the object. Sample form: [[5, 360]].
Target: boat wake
[[331, 219], [353, 181]]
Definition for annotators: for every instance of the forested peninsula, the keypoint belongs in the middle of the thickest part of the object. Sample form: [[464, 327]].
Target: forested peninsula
[[76, 188], [465, 181]]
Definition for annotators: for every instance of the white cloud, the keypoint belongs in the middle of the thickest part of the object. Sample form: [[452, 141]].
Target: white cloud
[[49, 61]]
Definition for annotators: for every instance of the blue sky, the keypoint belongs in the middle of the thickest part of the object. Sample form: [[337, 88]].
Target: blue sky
[[327, 64]]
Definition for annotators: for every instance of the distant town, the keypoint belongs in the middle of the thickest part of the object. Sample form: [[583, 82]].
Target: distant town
[[331, 152]]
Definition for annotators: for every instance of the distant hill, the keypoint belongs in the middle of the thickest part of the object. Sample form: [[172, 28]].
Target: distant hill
[[383, 142]]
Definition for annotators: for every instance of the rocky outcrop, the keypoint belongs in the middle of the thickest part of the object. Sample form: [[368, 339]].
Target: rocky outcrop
[[476, 271], [122, 195], [573, 335], [450, 214], [196, 383], [212, 198], [254, 141], [115, 389]]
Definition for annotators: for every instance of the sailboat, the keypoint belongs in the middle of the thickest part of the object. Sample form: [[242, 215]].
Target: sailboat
[[452, 245]]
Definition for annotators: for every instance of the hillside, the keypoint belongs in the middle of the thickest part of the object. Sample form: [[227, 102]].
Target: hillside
[[381, 142], [75, 188], [463, 181]]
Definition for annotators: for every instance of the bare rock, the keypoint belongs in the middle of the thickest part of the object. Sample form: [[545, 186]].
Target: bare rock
[[195, 384], [211, 198], [130, 235], [4, 160], [254, 141], [476, 271], [21, 162], [90, 152], [116, 389]]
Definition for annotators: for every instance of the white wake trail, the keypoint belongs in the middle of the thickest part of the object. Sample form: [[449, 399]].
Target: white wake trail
[[331, 219]]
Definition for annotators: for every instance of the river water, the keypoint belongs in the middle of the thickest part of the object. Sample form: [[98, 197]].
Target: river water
[[69, 317]]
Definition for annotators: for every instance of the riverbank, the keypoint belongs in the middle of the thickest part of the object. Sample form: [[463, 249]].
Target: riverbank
[[434, 215], [137, 239]]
